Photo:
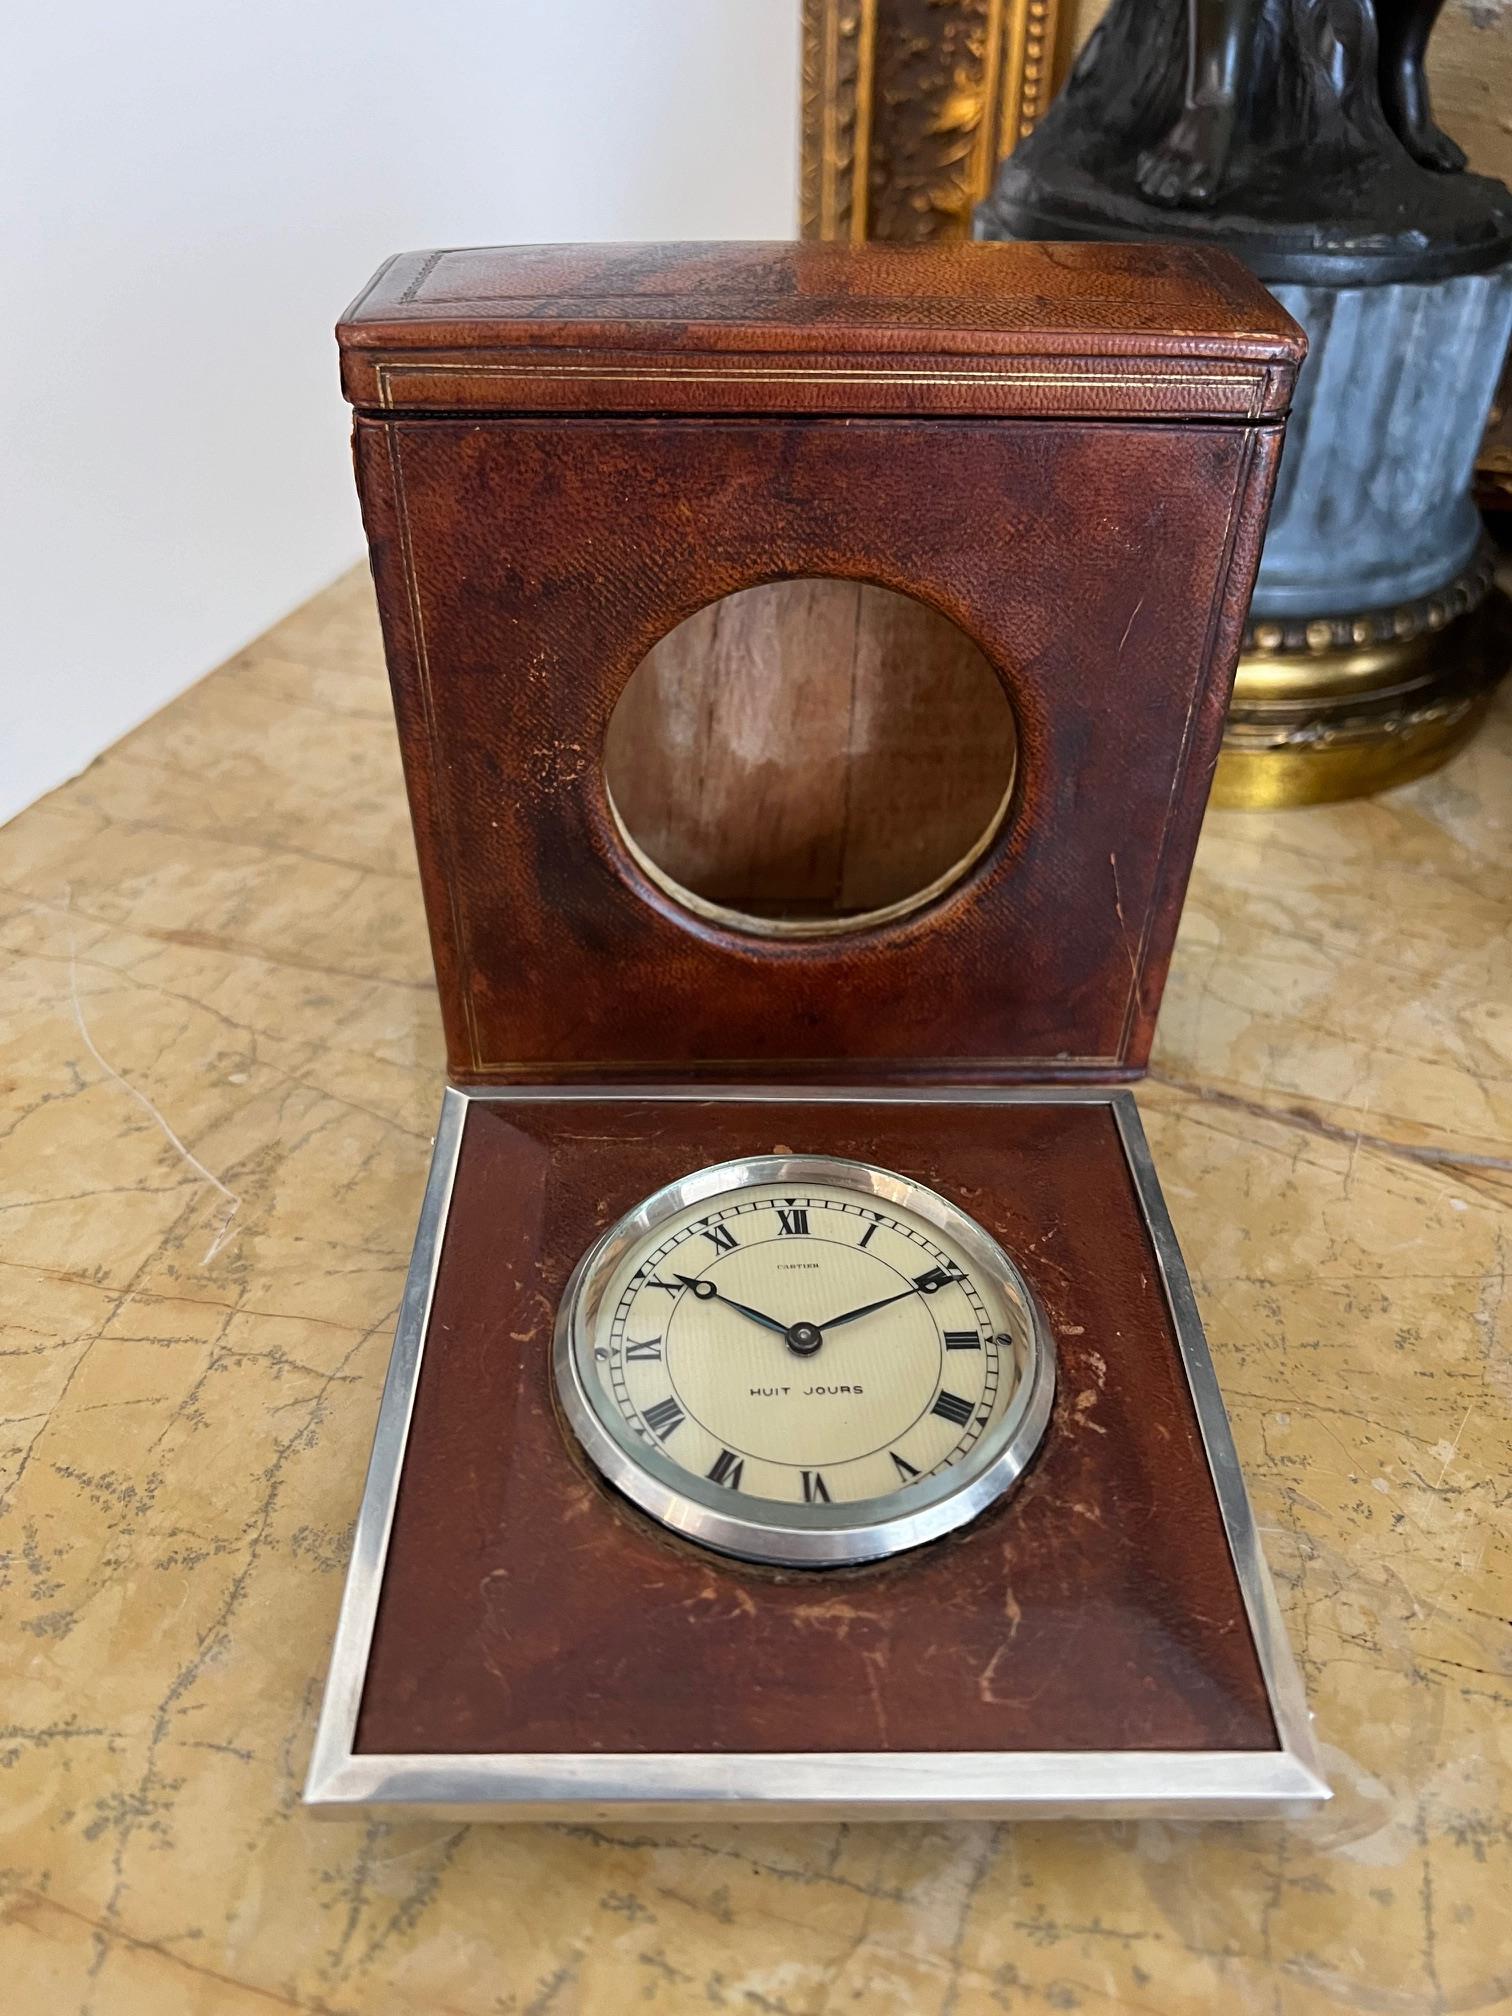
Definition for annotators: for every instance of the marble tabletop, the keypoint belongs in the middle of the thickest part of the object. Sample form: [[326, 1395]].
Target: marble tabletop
[[222, 1062]]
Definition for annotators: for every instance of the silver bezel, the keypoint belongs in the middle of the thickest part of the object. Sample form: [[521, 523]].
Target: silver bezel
[[854, 1785], [804, 1536]]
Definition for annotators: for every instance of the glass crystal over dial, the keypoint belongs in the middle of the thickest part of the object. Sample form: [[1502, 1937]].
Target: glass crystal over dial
[[804, 1360]]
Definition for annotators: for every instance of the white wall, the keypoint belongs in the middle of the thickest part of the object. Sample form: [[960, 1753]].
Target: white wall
[[192, 190]]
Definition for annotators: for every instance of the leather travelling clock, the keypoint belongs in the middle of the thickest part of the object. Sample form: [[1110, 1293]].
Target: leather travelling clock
[[909, 1397], [798, 1404]]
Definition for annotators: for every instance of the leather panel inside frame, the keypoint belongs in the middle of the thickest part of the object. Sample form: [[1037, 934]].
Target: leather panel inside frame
[[527, 1608]]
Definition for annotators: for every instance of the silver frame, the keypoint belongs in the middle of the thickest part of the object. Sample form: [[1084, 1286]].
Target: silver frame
[[806, 1536], [863, 1785]]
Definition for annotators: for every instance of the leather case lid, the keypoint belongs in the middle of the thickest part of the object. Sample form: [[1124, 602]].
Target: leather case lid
[[525, 566], [1047, 330]]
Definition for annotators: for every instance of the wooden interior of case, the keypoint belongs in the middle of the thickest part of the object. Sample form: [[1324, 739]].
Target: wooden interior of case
[[811, 751], [527, 1608]]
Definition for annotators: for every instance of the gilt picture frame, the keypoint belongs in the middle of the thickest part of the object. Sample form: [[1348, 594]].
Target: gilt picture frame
[[909, 105]]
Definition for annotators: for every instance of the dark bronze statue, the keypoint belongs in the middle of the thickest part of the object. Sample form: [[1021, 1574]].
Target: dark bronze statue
[[1299, 132], [1226, 61]]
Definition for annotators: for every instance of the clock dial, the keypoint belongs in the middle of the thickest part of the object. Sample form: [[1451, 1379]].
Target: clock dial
[[814, 1353], [806, 1345]]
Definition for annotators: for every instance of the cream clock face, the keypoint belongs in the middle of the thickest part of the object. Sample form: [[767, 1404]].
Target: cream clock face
[[804, 1360]]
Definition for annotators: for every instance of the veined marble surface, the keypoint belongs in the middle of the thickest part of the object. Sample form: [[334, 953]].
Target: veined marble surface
[[222, 1066]]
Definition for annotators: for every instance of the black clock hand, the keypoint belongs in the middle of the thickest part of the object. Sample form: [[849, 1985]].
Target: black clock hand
[[925, 1285], [866, 1309], [707, 1291]]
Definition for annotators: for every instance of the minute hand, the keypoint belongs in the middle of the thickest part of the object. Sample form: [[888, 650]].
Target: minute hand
[[923, 1284], [867, 1308]]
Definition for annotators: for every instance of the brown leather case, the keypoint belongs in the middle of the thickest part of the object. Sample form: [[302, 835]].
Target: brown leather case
[[565, 451], [527, 1609], [562, 453]]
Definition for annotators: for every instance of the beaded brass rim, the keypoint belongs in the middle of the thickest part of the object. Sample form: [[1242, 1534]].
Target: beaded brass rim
[[1326, 725], [1366, 633]]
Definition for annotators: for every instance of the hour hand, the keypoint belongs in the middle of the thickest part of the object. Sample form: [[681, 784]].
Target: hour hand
[[707, 1291]]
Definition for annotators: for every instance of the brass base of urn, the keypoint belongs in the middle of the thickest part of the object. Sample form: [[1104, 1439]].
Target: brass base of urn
[[1340, 707]]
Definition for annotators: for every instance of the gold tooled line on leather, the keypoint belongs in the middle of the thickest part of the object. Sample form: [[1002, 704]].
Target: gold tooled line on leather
[[1240, 379], [699, 1073], [440, 797], [1138, 959]]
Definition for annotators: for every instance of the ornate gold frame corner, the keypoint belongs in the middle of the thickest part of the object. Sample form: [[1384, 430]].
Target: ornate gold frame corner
[[909, 105]]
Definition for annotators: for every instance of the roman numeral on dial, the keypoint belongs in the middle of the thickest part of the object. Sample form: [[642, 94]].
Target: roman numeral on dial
[[951, 1407], [905, 1470], [792, 1221], [814, 1491], [728, 1469], [663, 1417], [650, 1349], [962, 1340], [722, 1236], [867, 1236]]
